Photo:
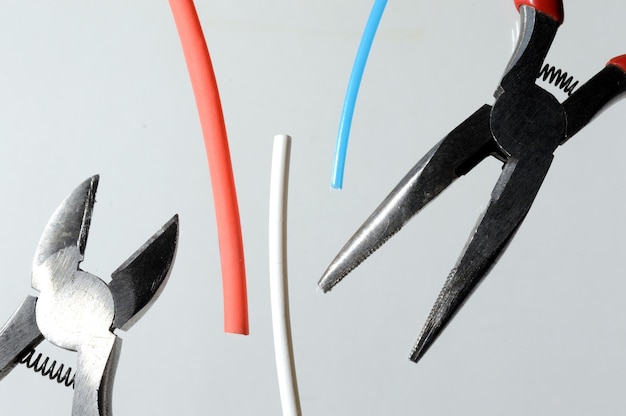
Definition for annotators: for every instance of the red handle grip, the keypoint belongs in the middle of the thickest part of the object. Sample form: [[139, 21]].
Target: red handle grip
[[552, 8], [619, 61]]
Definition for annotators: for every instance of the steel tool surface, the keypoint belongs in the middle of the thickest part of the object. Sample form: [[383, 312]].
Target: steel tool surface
[[78, 311], [523, 128]]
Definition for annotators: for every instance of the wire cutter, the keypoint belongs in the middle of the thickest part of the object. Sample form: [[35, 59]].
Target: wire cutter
[[78, 311], [522, 129]]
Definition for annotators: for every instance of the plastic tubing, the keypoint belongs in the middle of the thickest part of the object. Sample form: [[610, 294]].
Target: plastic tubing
[[356, 76], [283, 346], [216, 143]]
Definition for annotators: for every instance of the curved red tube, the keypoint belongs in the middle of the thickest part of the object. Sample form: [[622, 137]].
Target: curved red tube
[[216, 143], [553, 8]]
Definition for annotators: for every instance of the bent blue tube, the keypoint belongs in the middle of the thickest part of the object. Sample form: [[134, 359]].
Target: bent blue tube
[[353, 90]]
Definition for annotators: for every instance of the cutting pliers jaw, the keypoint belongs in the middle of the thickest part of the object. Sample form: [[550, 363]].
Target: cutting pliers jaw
[[67, 228], [78, 311], [523, 128]]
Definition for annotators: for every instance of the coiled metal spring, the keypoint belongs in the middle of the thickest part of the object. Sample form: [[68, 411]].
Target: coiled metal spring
[[558, 78], [47, 369]]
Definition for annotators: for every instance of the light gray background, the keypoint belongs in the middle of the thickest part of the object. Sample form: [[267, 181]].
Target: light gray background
[[101, 87]]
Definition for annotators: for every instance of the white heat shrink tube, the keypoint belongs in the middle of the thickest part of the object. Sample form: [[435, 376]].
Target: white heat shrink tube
[[283, 346]]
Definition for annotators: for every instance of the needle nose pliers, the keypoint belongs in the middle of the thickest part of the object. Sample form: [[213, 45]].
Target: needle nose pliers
[[522, 129]]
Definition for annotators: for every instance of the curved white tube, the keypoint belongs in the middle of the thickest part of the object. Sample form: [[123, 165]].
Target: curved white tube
[[283, 347]]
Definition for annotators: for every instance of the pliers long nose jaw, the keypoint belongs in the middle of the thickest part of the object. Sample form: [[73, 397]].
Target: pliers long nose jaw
[[449, 159], [523, 129]]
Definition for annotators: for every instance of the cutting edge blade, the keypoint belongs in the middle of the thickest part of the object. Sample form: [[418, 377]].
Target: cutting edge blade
[[69, 224]]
